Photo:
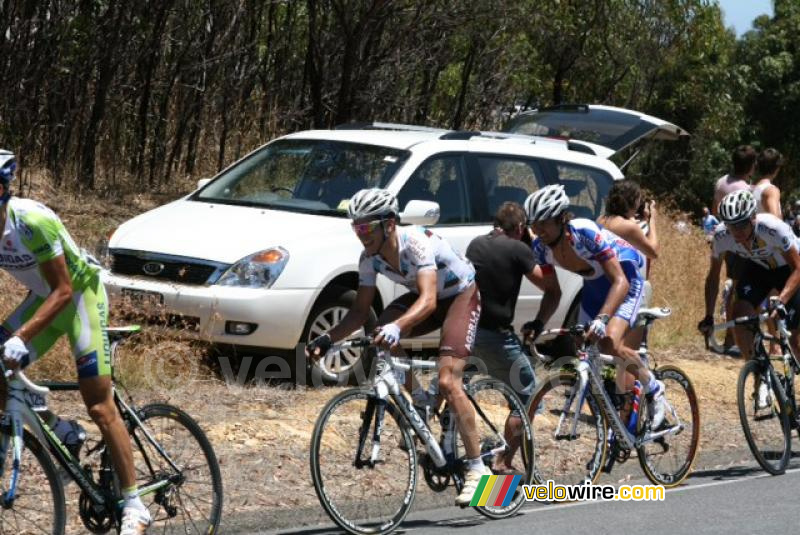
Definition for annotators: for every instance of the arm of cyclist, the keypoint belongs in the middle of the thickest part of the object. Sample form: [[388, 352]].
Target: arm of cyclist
[[616, 295], [547, 281], [793, 282], [423, 307], [355, 318], [711, 291], [57, 276], [619, 287]]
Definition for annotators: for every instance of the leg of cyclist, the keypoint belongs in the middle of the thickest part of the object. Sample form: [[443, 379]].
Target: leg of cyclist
[[90, 344], [458, 338]]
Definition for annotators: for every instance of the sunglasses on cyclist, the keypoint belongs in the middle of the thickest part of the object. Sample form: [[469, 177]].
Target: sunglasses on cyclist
[[741, 225], [365, 229]]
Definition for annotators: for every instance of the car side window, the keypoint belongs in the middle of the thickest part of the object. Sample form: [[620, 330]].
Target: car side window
[[506, 178], [440, 179], [586, 188]]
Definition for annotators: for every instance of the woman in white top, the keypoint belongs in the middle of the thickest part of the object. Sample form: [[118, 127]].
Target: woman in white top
[[767, 194]]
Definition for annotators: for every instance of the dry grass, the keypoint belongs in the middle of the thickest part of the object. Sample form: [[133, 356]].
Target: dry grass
[[678, 278]]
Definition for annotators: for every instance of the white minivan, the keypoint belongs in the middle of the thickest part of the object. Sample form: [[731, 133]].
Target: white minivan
[[262, 258]]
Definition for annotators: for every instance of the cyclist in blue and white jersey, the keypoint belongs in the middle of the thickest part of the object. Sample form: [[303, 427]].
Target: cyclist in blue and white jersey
[[442, 295], [612, 288]]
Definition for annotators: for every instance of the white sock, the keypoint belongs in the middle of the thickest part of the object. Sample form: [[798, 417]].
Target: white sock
[[131, 499], [475, 464]]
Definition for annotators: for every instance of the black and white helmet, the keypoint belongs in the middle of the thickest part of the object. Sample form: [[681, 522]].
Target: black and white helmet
[[737, 206], [550, 201], [8, 164], [372, 203]]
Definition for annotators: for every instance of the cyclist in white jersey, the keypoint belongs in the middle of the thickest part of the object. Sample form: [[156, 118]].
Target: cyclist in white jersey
[[66, 296], [442, 295], [774, 263]]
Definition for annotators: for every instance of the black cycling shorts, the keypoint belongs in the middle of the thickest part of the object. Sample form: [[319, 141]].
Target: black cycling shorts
[[756, 284]]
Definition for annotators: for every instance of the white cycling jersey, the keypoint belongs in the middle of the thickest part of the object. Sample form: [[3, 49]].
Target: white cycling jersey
[[771, 239], [34, 235], [420, 250]]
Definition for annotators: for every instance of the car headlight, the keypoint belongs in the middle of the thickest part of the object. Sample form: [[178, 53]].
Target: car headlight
[[259, 270]]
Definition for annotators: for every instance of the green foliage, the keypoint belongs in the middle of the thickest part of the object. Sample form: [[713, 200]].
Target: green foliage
[[141, 92]]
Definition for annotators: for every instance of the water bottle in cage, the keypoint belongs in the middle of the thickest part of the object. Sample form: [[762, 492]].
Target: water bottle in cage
[[71, 434], [634, 417]]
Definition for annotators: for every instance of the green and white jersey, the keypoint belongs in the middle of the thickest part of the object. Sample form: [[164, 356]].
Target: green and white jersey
[[34, 234]]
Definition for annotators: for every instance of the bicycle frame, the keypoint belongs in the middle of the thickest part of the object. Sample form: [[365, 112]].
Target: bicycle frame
[[20, 415], [789, 359], [385, 385], [589, 378]]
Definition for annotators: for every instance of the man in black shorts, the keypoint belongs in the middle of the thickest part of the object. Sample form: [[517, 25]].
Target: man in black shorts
[[501, 259]]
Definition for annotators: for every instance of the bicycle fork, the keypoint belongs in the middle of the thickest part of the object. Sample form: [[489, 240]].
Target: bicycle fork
[[386, 385], [12, 419]]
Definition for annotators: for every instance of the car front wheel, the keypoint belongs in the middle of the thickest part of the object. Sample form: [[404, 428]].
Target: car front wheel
[[341, 367]]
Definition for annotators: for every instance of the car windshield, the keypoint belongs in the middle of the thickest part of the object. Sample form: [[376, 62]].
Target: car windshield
[[317, 176]]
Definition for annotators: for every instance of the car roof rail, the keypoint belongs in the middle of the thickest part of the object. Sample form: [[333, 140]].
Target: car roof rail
[[461, 134], [388, 126], [583, 108]]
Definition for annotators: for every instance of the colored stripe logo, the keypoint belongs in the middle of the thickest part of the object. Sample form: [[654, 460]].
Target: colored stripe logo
[[495, 491]]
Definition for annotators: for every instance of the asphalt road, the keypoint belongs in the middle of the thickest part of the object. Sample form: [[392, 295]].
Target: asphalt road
[[734, 499]]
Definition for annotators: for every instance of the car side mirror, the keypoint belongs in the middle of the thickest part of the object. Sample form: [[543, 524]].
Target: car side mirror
[[202, 182], [420, 213]]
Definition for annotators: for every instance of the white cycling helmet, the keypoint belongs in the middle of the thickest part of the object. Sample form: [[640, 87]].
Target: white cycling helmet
[[737, 206], [372, 203], [550, 201]]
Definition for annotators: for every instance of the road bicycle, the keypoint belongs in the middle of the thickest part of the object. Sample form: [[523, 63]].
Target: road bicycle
[[766, 397], [176, 469], [575, 417], [364, 460]]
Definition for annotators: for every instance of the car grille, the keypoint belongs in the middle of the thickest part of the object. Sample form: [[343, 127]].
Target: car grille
[[175, 270]]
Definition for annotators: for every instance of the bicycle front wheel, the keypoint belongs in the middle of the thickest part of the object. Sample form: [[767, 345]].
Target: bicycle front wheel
[[668, 459], [363, 463], [764, 416], [570, 432], [192, 502], [38, 504]]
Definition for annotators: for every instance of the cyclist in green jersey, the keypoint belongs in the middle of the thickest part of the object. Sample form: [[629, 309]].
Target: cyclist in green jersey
[[66, 296]]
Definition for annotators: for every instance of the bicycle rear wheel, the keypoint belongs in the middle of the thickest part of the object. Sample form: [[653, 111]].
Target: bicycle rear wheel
[[38, 506], [565, 455], [359, 495], [192, 503], [500, 419], [765, 426], [668, 460]]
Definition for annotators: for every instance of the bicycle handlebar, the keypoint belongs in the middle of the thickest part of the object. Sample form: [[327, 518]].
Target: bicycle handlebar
[[742, 320], [27, 383], [361, 341]]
